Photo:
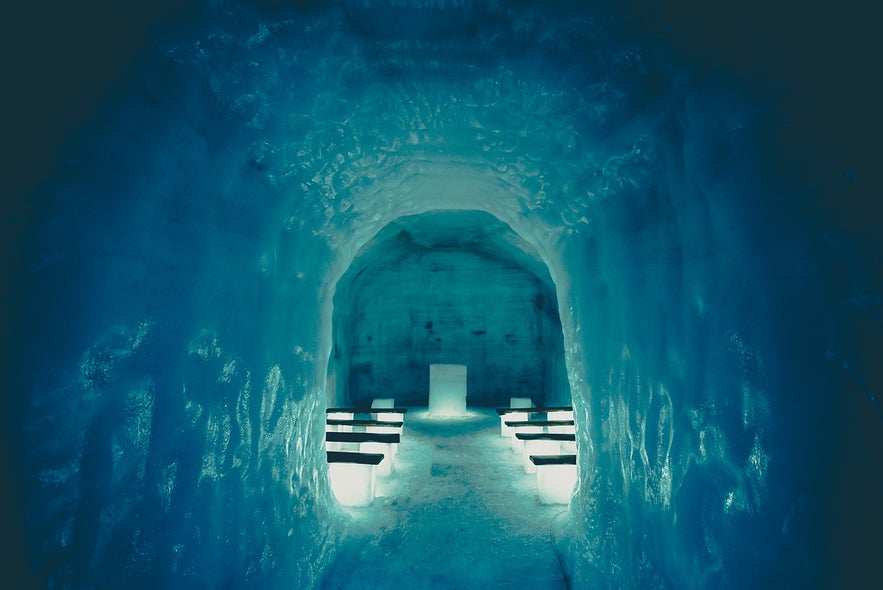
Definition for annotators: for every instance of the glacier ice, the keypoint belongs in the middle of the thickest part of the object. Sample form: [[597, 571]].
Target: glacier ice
[[609, 225]]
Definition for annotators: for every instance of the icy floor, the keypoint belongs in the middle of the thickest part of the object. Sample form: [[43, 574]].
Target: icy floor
[[458, 512]]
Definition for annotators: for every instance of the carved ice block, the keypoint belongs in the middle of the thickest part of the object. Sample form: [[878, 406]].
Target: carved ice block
[[447, 390]]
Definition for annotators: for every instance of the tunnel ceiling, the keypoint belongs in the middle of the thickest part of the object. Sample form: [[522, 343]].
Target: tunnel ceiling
[[357, 125], [474, 231]]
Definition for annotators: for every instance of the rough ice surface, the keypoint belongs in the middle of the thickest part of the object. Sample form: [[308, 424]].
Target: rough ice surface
[[192, 304]]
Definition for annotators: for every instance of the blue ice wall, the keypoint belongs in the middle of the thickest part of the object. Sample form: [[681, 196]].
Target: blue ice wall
[[174, 426], [179, 295]]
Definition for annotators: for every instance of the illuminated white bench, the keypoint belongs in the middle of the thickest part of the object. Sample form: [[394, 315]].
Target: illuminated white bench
[[368, 425], [556, 476], [522, 412], [542, 445], [365, 442], [537, 427], [353, 476]]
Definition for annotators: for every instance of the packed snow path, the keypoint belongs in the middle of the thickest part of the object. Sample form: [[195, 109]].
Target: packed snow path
[[457, 512]]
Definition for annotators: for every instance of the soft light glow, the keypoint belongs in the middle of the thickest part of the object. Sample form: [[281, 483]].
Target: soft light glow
[[425, 416], [447, 390], [555, 483], [353, 484]]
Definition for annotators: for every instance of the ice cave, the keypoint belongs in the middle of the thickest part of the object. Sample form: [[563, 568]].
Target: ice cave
[[442, 294]]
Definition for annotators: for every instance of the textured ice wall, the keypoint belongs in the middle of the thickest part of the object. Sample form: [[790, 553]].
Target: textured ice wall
[[175, 423], [183, 281]]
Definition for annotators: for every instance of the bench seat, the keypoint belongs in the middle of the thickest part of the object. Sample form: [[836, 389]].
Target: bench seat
[[366, 423], [541, 445], [362, 437], [366, 442], [557, 436], [352, 457], [502, 411]]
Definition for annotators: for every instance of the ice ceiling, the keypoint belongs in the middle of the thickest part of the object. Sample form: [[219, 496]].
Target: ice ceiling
[[187, 277]]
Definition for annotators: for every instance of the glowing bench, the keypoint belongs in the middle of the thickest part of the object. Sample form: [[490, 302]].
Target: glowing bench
[[556, 476], [365, 442], [353, 476], [537, 427], [542, 445], [371, 426], [520, 413]]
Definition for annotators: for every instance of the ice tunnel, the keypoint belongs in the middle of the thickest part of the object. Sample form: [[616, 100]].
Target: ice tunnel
[[230, 221]]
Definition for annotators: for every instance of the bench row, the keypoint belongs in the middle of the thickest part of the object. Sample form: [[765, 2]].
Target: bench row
[[360, 449], [546, 440]]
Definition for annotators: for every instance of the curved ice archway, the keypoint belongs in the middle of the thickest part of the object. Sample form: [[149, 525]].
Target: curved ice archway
[[476, 244], [446, 186]]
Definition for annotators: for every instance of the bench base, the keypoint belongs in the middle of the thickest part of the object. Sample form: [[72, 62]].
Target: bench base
[[556, 477]]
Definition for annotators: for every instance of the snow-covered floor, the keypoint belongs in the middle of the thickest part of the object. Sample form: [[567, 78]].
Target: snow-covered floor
[[457, 512]]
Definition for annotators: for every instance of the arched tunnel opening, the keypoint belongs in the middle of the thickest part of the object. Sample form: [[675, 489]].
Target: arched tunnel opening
[[455, 287], [227, 217]]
